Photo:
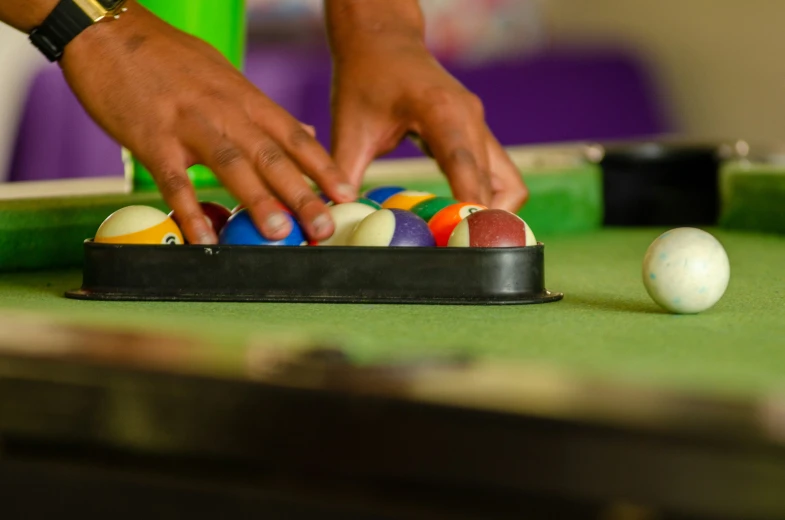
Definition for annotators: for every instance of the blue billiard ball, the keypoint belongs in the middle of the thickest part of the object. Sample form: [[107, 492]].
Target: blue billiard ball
[[241, 231]]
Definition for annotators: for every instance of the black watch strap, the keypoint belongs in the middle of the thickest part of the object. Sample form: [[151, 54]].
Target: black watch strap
[[64, 24]]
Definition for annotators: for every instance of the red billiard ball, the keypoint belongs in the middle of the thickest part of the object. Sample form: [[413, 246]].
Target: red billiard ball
[[492, 228], [216, 215]]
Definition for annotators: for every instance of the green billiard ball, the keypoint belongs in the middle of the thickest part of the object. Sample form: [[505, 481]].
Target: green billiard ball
[[428, 208]]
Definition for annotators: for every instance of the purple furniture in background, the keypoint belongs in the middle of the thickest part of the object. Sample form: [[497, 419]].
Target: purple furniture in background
[[558, 95]]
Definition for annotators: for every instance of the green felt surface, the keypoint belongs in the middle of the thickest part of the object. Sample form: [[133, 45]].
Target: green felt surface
[[48, 233], [606, 324]]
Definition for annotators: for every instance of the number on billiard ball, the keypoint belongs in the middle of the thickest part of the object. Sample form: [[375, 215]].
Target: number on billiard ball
[[139, 225]]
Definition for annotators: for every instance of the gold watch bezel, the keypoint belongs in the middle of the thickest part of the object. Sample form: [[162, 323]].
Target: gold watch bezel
[[97, 12]]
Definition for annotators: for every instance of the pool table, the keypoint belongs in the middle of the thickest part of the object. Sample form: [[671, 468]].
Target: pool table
[[601, 405]]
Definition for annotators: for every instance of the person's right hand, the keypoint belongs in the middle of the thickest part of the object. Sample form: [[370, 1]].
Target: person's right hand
[[174, 101]]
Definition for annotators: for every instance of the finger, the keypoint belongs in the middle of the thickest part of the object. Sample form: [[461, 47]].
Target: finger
[[284, 178], [419, 143], [238, 175], [258, 172], [310, 129], [314, 161], [169, 169], [241, 179], [287, 182], [509, 189], [462, 154], [353, 146]]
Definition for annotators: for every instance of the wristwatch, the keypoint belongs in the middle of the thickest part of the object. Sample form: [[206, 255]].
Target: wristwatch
[[68, 20]]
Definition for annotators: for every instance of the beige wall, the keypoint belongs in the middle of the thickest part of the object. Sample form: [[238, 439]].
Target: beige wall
[[18, 62], [721, 61]]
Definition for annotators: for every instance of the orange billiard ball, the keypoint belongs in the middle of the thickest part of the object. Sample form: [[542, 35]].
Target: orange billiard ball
[[443, 223]]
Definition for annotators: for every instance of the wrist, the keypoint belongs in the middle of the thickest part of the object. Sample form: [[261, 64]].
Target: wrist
[[108, 35], [360, 27], [69, 20]]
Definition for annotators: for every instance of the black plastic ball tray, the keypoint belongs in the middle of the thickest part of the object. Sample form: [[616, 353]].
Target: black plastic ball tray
[[314, 274]]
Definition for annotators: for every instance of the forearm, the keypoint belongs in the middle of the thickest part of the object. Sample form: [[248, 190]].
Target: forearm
[[352, 25], [25, 15]]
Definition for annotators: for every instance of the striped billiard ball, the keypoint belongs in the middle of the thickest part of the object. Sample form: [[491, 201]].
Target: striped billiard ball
[[492, 228], [139, 225], [392, 228], [346, 217]]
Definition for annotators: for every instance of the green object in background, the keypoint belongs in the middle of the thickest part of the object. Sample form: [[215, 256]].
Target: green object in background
[[563, 200], [752, 195], [222, 24], [50, 233]]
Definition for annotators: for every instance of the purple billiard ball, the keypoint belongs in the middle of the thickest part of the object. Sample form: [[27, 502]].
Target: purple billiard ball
[[241, 231], [392, 228]]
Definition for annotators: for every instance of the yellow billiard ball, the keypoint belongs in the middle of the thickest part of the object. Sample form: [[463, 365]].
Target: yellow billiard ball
[[406, 200], [139, 225]]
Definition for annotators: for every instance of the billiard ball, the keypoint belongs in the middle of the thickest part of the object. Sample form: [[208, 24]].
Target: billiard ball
[[240, 230], [686, 270], [382, 193], [393, 228], [428, 208], [369, 202], [443, 223], [139, 225], [215, 214], [345, 217], [362, 200], [406, 199], [492, 228]]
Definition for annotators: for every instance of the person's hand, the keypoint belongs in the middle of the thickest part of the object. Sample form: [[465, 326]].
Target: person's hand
[[383, 92], [174, 101]]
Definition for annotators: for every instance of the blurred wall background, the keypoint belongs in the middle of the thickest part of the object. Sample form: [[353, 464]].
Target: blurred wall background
[[549, 70], [720, 62], [18, 64]]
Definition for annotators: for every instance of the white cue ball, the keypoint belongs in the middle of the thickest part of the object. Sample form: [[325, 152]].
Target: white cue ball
[[686, 270]]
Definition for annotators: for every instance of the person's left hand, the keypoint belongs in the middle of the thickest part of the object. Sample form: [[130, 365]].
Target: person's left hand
[[382, 94]]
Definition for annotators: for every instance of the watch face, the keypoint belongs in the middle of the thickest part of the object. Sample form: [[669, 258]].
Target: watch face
[[109, 4]]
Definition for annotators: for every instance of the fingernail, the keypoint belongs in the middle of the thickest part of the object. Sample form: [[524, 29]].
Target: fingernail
[[206, 239], [321, 223], [276, 222], [347, 191]]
